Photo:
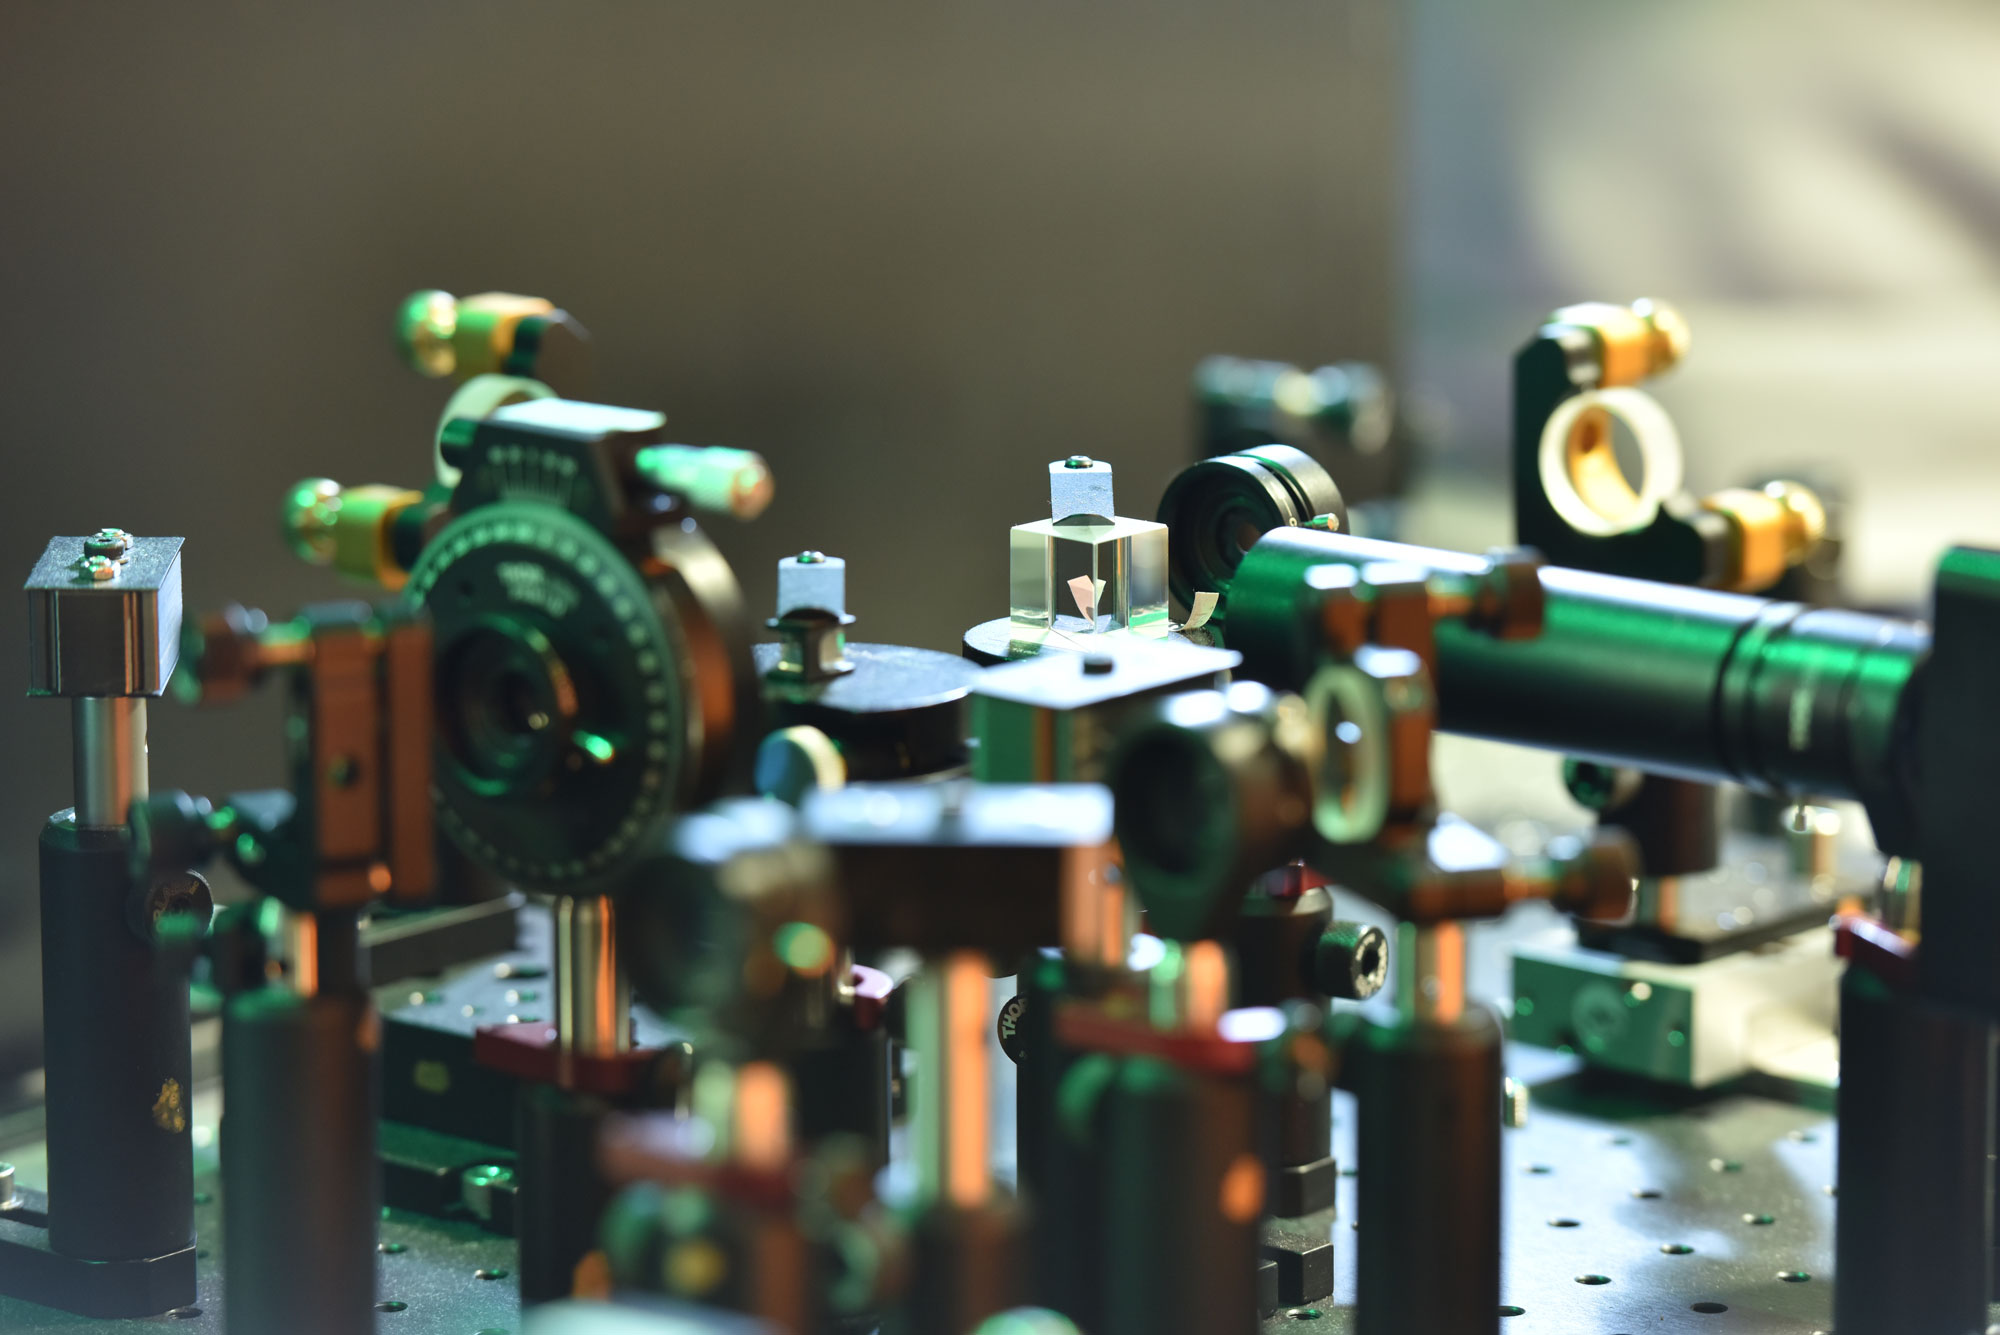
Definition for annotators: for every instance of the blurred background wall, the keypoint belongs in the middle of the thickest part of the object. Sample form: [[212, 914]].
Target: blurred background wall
[[1815, 183], [910, 251]]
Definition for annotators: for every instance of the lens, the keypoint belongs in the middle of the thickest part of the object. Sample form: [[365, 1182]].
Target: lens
[[1210, 790], [1236, 530], [1216, 510], [502, 694]]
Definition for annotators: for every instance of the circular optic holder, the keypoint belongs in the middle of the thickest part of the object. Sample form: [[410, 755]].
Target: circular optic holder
[[578, 700], [1216, 510], [1351, 788]]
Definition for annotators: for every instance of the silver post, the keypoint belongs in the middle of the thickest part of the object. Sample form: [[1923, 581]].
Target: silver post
[[1188, 989], [1430, 986], [1657, 903], [593, 1000], [294, 939], [1902, 898], [749, 1109], [948, 1027], [1814, 836], [1513, 1103], [109, 750]]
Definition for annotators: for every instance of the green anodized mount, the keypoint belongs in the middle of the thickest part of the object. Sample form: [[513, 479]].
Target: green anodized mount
[[561, 709]]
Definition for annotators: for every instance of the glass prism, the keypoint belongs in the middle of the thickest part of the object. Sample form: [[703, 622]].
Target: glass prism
[[1054, 567]]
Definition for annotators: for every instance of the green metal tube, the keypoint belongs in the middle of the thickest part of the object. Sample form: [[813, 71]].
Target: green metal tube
[[1680, 681]]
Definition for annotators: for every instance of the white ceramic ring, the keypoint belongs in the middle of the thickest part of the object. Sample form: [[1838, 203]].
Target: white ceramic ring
[[1659, 459]]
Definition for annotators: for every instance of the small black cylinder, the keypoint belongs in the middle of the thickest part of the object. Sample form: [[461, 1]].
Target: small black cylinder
[[1305, 1128], [1428, 1252], [1304, 1173], [301, 1191], [1055, 1164], [562, 1194], [1184, 1193], [342, 963], [1275, 937], [843, 1087], [965, 1266], [1674, 823], [120, 1073], [1911, 1249]]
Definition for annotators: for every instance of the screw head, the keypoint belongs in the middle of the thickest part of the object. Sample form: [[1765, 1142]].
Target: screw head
[[1079, 461], [489, 1175], [107, 542], [1668, 333], [1805, 518], [100, 568]]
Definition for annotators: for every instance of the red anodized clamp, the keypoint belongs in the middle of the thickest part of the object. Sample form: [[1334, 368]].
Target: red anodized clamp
[[529, 1052], [1876, 947]]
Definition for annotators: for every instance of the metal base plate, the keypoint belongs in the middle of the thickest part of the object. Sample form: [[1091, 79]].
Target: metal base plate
[[991, 642], [30, 1269], [1592, 1149], [429, 1275], [1588, 1154], [1697, 1213]]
